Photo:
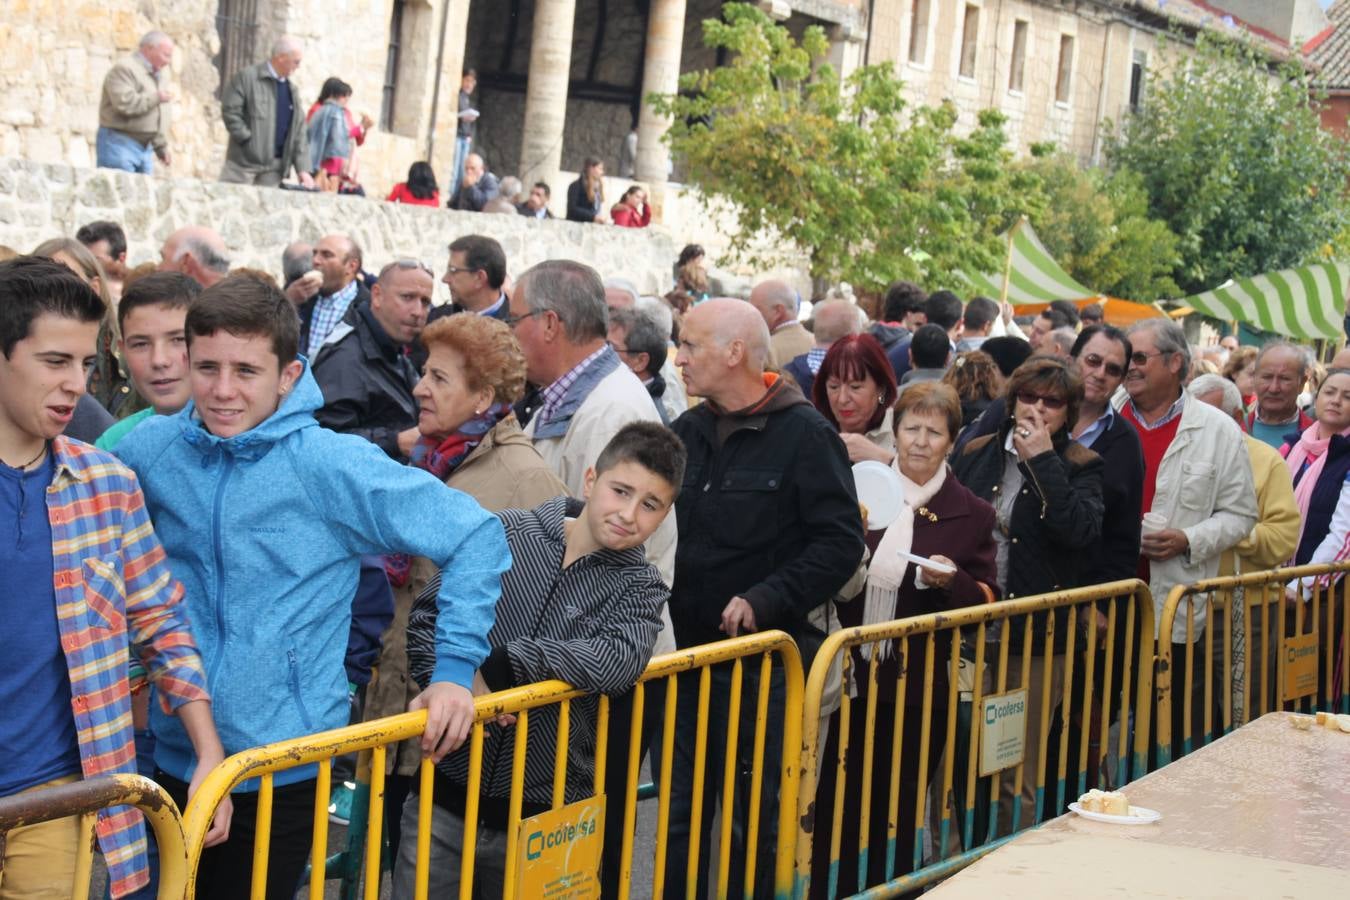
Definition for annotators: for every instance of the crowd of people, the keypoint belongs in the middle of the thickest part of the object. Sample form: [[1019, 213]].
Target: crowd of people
[[272, 139], [226, 498]]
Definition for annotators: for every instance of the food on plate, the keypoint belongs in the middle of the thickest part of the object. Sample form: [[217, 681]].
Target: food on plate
[[1111, 803], [1343, 723], [1301, 723]]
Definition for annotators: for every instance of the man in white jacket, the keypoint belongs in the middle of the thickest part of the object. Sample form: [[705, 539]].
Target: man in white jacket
[[1197, 485]]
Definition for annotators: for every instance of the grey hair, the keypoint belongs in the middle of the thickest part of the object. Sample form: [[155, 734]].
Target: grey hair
[[660, 311], [1231, 403], [1305, 358], [642, 334], [1168, 338], [782, 295], [1063, 339], [204, 253], [154, 39], [286, 44], [573, 291], [510, 188], [624, 285], [296, 260]]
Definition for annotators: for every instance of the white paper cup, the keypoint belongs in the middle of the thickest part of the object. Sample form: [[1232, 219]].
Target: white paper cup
[[1153, 522]]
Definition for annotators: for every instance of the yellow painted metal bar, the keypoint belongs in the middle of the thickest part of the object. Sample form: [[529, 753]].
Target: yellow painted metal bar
[[630, 788], [700, 763], [1021, 773], [1089, 676], [729, 769], [471, 799], [1146, 705], [262, 839], [976, 724], [84, 854], [1230, 603], [1186, 693], [602, 741], [869, 738], [897, 742], [995, 782], [560, 755], [375, 821], [1047, 672], [1065, 705], [1208, 679], [517, 796], [1267, 635], [790, 774], [757, 775], [1279, 657], [925, 737], [948, 748], [425, 786], [323, 790], [663, 787], [1248, 695], [1108, 673]]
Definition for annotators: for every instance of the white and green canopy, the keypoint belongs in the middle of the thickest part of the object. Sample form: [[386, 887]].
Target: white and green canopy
[[1307, 302], [1033, 275]]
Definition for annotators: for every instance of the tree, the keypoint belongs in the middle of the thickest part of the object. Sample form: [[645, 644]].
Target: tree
[[870, 191], [1096, 226], [1231, 156]]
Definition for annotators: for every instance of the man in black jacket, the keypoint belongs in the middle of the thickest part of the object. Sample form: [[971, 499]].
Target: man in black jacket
[[769, 529], [363, 367]]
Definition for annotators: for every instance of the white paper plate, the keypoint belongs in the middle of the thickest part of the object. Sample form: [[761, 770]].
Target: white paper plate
[[926, 562], [879, 490], [1138, 816]]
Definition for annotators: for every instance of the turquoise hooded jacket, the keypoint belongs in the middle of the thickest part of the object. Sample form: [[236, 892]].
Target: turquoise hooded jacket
[[265, 530]]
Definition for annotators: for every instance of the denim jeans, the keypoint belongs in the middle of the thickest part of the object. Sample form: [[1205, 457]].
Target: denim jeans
[[462, 148], [682, 781], [117, 151], [447, 847]]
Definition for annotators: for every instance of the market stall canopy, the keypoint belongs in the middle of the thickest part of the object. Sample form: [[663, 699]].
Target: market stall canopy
[[1033, 274], [1307, 302], [1120, 313]]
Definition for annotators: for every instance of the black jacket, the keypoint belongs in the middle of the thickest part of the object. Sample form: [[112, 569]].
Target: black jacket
[[1056, 518], [1116, 556], [579, 209], [367, 382], [769, 514], [306, 311]]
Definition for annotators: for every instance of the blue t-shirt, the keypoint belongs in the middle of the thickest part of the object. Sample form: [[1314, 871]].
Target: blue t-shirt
[[37, 727], [1272, 435]]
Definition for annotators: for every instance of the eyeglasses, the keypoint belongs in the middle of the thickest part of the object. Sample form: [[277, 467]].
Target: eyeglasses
[[623, 350], [1030, 398], [1140, 358], [1093, 361], [455, 270], [513, 321]]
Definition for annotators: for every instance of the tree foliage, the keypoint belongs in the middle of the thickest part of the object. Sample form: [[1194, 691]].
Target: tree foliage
[[1231, 155], [868, 189]]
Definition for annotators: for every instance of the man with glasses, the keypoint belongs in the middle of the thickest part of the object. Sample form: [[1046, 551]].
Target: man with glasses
[[363, 367], [475, 276], [1197, 483]]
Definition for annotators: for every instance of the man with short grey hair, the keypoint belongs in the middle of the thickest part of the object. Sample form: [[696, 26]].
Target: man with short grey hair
[[478, 187], [196, 251], [1059, 342], [132, 122], [265, 117], [778, 304], [832, 320], [638, 340], [1281, 370]]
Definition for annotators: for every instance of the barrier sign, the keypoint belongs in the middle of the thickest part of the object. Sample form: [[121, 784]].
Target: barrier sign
[[560, 851], [1300, 666], [1003, 731]]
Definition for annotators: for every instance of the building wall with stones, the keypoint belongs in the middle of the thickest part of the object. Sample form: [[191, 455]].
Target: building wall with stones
[[42, 200]]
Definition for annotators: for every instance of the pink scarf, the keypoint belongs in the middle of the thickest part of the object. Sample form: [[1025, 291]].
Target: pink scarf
[[1310, 447]]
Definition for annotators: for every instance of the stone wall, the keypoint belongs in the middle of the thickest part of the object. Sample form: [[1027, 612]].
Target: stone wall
[[39, 201]]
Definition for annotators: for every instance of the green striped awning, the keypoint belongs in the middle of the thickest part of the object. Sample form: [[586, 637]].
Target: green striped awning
[[1307, 302], [1034, 277]]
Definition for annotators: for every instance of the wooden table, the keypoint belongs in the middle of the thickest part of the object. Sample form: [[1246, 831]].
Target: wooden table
[[1262, 812]]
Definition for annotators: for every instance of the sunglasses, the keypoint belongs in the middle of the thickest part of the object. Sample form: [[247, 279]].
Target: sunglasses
[[1031, 399], [1093, 361]]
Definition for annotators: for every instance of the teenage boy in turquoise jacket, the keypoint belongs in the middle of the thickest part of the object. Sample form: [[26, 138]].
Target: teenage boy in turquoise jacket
[[265, 515]]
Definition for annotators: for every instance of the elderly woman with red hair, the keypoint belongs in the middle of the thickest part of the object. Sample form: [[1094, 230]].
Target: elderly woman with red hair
[[855, 390]]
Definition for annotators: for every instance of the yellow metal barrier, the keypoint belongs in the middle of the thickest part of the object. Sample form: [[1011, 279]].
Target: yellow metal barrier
[[85, 799], [1288, 654], [923, 684], [376, 736]]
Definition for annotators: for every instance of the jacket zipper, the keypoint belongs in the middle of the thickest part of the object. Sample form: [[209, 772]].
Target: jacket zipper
[[218, 550]]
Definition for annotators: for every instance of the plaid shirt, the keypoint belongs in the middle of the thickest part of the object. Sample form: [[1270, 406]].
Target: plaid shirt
[[556, 392], [113, 586], [328, 312]]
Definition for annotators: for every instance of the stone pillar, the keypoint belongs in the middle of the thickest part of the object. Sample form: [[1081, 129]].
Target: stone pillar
[[546, 95], [660, 75]]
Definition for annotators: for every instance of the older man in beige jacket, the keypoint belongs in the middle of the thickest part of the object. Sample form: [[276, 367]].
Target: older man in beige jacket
[[132, 120]]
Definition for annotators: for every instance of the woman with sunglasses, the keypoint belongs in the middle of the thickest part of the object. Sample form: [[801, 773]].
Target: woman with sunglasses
[[1046, 490]]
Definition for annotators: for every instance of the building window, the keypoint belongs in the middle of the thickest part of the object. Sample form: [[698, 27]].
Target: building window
[[970, 32], [1137, 69], [237, 25], [1019, 57], [391, 60], [1064, 79], [918, 31]]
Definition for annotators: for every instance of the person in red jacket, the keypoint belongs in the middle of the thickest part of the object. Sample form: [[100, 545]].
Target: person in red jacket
[[420, 188], [632, 210]]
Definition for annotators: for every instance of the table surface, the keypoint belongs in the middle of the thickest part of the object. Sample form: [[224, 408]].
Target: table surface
[[1265, 802]]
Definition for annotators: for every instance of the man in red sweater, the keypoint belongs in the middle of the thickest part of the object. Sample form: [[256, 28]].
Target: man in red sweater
[[1197, 483]]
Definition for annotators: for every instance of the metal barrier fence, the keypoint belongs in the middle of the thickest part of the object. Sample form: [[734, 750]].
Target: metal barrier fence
[[727, 660], [85, 799], [881, 843], [1275, 654]]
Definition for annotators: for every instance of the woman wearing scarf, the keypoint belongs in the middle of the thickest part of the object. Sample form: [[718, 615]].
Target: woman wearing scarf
[[1047, 492], [941, 520], [471, 441]]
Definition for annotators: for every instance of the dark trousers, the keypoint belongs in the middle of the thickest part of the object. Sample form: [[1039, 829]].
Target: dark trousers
[[880, 796], [682, 798], [226, 871], [616, 771]]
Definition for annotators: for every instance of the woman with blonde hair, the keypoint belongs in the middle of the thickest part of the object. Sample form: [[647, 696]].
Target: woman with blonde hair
[[977, 381], [1241, 370]]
